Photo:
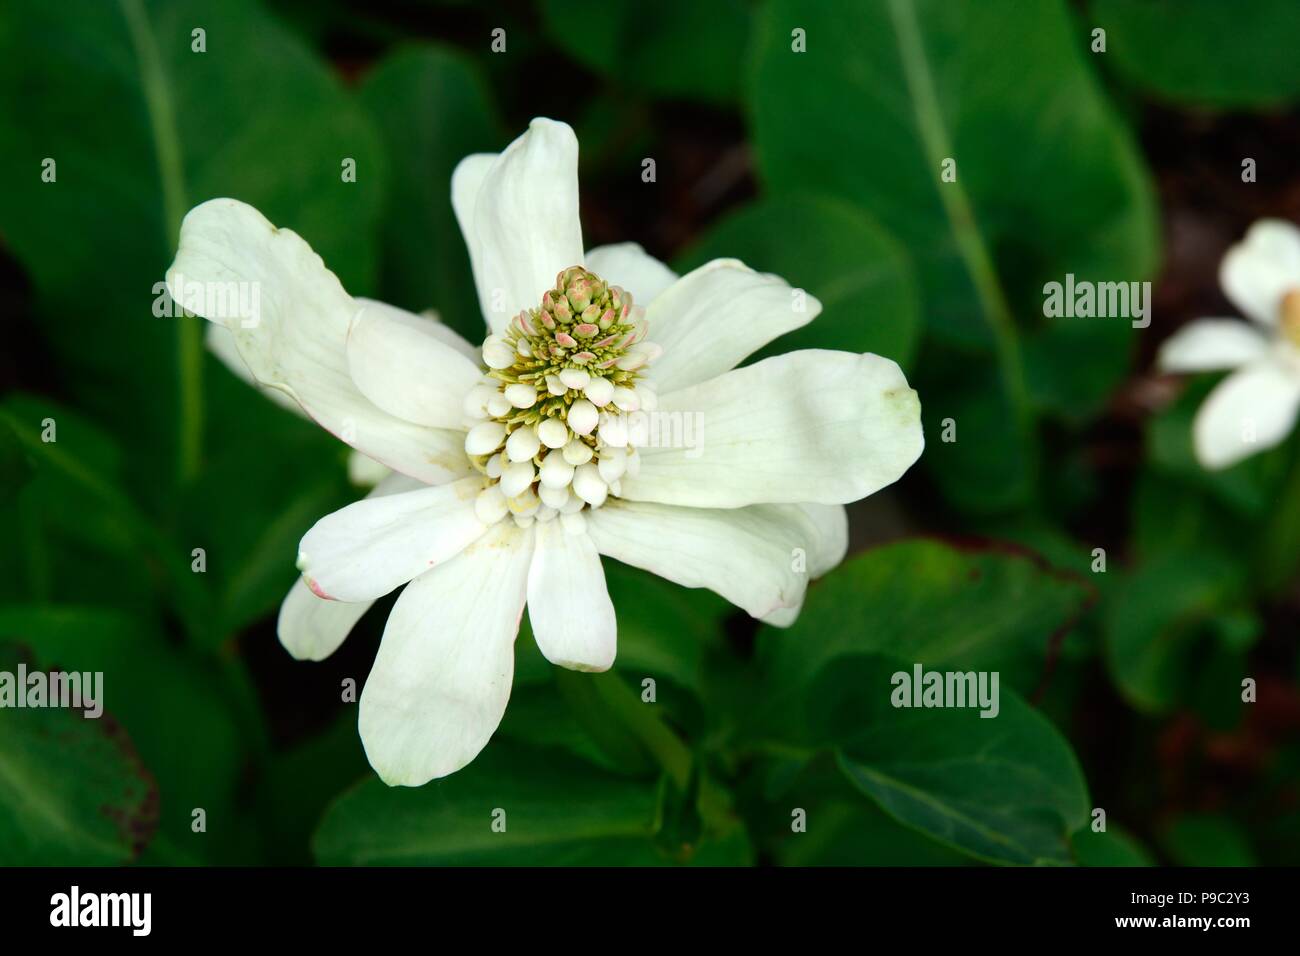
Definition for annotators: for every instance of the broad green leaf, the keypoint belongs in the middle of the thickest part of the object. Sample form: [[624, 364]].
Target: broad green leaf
[[141, 127], [675, 48], [927, 602], [73, 790], [432, 109], [556, 810], [1006, 789], [832, 250], [1204, 52], [1159, 619], [1047, 180], [173, 706]]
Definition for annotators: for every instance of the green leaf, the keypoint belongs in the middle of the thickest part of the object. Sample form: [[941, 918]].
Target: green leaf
[[1111, 847], [924, 601], [557, 810], [73, 790], [1047, 182], [834, 251], [175, 710], [432, 109], [679, 49], [1005, 789], [1204, 52], [1203, 839], [1158, 619], [141, 128]]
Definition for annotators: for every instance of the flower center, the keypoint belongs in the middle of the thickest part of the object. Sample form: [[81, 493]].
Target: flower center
[[1289, 319], [548, 422]]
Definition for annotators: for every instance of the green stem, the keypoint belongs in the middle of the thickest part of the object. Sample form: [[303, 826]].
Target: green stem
[[171, 174], [957, 206], [640, 719]]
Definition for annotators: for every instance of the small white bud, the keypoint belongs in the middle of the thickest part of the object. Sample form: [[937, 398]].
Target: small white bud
[[582, 417], [498, 405], [613, 430], [577, 452], [554, 385], [612, 464], [556, 472], [589, 486], [484, 438], [494, 466], [553, 433], [490, 505], [522, 444], [574, 377], [520, 395], [626, 399], [497, 353], [517, 476], [553, 497], [600, 391]]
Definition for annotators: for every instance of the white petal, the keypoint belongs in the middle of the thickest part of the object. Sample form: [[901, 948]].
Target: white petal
[[568, 605], [747, 555], [711, 319], [298, 342], [442, 677], [825, 536], [368, 548], [221, 343], [444, 333], [519, 214], [401, 365], [311, 628], [1258, 271], [627, 265], [809, 426], [1251, 410], [1210, 344]]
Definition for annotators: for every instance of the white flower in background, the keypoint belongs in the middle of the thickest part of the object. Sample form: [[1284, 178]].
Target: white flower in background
[[1253, 408], [517, 465]]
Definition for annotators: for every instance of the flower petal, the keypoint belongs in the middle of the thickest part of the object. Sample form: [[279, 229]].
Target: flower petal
[[808, 426], [519, 216], [1251, 410], [297, 342], [1207, 345], [401, 365], [747, 555], [711, 319], [626, 264], [826, 532], [221, 343], [372, 546], [1258, 271], [312, 628], [442, 677], [568, 605]]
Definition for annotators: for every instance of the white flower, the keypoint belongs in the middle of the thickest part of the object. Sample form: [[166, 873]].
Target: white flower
[[517, 465], [1254, 408]]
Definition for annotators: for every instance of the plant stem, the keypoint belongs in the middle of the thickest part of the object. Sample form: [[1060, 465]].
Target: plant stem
[[171, 174]]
